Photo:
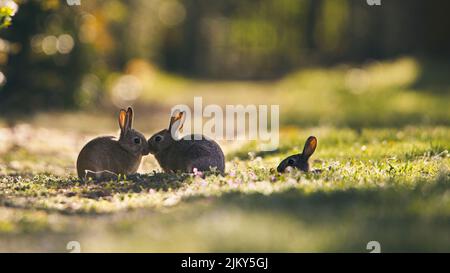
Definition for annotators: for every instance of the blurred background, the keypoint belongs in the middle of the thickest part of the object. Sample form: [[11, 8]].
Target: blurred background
[[371, 82], [340, 62]]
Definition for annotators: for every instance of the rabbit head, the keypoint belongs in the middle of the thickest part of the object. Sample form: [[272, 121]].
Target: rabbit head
[[300, 161], [162, 140], [131, 140]]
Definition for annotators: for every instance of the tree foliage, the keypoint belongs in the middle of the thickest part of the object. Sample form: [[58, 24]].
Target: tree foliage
[[8, 9], [53, 47]]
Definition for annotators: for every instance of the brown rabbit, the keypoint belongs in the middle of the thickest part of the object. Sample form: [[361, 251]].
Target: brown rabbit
[[185, 155], [106, 157], [300, 161]]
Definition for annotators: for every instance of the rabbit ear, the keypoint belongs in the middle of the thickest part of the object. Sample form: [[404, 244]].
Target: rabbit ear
[[177, 119], [129, 119], [310, 147], [122, 120]]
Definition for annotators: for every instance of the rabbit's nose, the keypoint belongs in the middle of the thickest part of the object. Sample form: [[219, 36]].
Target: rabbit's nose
[[146, 149], [150, 148]]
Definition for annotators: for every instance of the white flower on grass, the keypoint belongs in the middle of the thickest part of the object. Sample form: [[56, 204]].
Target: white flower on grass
[[9, 4]]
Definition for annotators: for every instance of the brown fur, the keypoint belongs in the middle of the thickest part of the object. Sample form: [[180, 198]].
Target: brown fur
[[105, 157], [185, 155]]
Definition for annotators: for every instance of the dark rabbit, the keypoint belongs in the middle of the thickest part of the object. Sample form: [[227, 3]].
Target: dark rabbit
[[183, 154], [106, 157], [300, 161]]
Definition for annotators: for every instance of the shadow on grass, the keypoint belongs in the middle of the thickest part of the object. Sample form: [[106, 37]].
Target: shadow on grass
[[134, 183], [46, 185], [400, 218]]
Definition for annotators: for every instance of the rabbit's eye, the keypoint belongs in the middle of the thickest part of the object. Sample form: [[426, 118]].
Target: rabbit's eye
[[291, 161], [137, 140], [158, 138]]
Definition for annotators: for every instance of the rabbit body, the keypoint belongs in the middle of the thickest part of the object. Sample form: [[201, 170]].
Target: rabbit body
[[187, 154], [106, 157], [106, 154]]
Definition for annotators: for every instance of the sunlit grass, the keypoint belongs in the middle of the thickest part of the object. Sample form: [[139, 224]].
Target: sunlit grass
[[383, 153], [370, 180]]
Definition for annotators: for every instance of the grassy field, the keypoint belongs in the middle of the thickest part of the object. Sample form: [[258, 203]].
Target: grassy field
[[384, 143]]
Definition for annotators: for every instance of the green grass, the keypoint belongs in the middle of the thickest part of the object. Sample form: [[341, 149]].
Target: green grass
[[388, 185], [384, 141]]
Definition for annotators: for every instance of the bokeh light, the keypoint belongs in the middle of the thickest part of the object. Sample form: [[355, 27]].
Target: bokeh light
[[2, 79], [171, 13], [65, 44], [88, 29], [126, 90], [36, 43], [50, 45]]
